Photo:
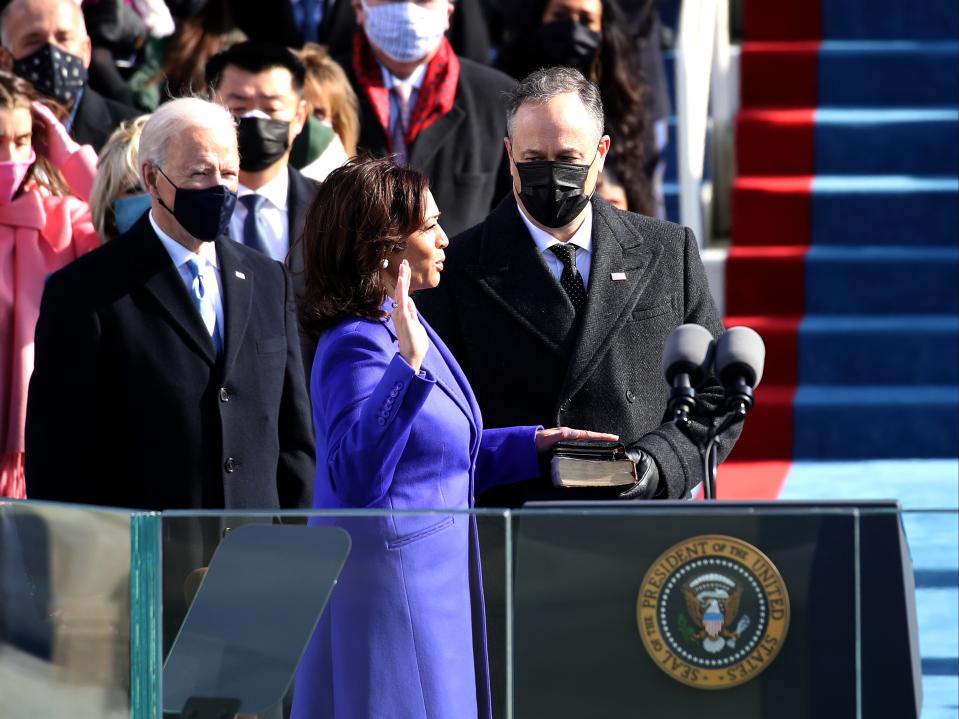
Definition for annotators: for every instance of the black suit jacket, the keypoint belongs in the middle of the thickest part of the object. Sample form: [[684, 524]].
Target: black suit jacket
[[299, 197], [97, 117], [129, 404], [512, 328], [462, 153]]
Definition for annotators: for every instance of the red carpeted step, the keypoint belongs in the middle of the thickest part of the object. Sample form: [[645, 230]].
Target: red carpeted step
[[779, 74], [776, 142], [768, 432], [752, 480], [769, 20], [781, 336], [772, 211], [770, 280]]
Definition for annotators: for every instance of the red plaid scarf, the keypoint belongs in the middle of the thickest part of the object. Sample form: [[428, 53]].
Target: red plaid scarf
[[435, 97]]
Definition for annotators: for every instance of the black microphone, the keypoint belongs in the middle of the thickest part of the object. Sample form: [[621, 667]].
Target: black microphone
[[687, 356], [740, 355]]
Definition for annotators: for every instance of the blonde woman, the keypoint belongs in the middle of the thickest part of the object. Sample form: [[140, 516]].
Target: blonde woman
[[118, 199], [332, 104]]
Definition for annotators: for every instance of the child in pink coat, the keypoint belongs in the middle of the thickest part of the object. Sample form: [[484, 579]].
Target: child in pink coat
[[45, 183]]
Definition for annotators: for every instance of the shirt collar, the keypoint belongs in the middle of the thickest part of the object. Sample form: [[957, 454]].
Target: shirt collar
[[582, 238], [275, 191], [180, 254], [415, 79]]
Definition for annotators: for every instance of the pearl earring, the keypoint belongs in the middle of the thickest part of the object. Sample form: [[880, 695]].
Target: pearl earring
[[385, 263]]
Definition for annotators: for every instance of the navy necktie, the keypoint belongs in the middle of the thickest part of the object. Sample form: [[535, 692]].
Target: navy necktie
[[254, 226], [571, 280]]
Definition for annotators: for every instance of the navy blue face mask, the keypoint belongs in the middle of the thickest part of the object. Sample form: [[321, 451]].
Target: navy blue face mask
[[205, 214]]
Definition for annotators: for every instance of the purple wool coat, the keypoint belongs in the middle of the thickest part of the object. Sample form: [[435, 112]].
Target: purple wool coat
[[404, 632]]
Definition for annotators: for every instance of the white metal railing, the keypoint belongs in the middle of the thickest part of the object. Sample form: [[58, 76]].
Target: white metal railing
[[702, 43]]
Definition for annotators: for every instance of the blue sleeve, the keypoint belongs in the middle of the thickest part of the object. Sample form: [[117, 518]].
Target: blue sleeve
[[367, 396], [506, 455]]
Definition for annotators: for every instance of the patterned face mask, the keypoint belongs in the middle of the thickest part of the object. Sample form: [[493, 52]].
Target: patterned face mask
[[53, 73], [405, 31]]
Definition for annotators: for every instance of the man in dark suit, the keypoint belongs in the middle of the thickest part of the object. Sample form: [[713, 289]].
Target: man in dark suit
[[332, 23], [440, 113], [168, 370], [262, 87], [261, 84], [46, 43], [558, 305]]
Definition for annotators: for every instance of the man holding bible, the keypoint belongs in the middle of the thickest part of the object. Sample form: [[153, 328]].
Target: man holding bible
[[558, 305]]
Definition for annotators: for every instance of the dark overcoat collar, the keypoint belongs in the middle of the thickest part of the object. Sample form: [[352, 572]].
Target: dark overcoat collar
[[513, 273], [160, 279]]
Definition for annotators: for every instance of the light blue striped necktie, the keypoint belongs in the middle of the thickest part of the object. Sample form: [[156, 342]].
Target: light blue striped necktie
[[204, 305]]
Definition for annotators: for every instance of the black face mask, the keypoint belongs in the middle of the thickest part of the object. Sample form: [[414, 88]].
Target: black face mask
[[53, 73], [206, 213], [262, 142], [553, 192], [568, 43]]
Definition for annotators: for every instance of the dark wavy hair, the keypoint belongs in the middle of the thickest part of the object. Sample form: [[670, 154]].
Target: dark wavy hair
[[621, 84], [362, 213]]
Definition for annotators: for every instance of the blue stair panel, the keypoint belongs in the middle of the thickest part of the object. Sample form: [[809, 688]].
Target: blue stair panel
[[898, 210], [879, 350], [882, 280], [912, 74], [887, 142], [886, 422], [890, 20]]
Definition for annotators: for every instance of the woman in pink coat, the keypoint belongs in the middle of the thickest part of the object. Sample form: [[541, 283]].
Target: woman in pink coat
[[45, 182]]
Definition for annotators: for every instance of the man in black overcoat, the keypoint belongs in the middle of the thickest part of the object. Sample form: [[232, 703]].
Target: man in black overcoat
[[454, 120], [558, 305], [168, 371], [46, 43]]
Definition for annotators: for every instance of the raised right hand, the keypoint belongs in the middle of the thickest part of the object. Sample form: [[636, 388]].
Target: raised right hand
[[411, 334]]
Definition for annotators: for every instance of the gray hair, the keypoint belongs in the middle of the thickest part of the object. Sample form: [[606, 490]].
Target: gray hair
[[175, 116], [543, 85]]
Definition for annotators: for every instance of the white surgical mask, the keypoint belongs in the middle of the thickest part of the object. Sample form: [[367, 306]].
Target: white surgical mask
[[405, 31]]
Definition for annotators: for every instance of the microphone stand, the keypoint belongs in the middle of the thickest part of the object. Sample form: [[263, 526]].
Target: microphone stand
[[733, 412]]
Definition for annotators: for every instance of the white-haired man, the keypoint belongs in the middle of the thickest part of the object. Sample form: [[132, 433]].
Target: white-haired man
[[168, 370], [46, 43]]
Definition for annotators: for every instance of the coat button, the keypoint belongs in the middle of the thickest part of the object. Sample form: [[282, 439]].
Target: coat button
[[224, 394], [231, 465], [565, 406], [381, 421], [630, 396]]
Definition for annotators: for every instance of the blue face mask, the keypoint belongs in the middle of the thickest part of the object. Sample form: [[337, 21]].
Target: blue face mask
[[127, 210]]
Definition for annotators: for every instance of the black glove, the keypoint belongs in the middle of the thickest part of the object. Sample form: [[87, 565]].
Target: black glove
[[647, 476]]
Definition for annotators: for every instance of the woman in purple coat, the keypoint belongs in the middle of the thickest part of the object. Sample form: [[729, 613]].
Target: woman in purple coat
[[397, 428]]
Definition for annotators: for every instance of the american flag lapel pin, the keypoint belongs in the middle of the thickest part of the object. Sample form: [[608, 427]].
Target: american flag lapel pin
[[617, 275], [239, 274]]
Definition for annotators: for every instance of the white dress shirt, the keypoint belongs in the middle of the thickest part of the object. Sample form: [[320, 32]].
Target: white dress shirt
[[582, 238], [274, 213], [209, 269]]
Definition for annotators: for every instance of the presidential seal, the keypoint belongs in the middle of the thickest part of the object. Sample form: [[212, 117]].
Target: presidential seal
[[713, 611]]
